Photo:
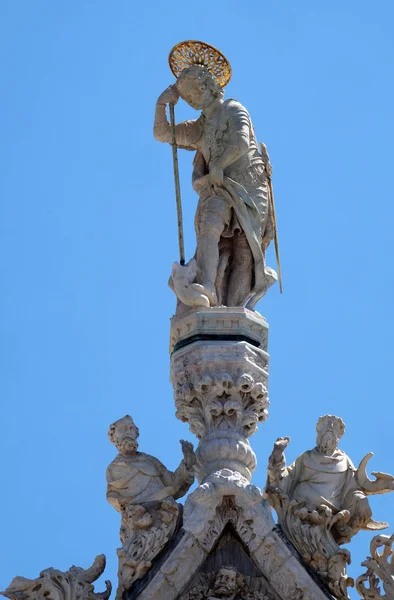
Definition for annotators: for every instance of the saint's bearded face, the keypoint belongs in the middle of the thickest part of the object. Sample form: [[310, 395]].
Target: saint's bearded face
[[226, 583], [328, 439], [124, 435]]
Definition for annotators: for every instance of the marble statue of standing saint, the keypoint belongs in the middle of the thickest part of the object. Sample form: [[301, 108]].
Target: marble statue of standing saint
[[233, 220]]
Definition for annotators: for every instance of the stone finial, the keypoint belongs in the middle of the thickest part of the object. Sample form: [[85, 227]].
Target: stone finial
[[219, 371], [75, 584]]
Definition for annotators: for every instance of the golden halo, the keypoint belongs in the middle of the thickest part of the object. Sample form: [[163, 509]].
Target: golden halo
[[192, 52]]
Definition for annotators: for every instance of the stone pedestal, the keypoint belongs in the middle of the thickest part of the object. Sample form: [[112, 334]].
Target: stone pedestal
[[219, 370]]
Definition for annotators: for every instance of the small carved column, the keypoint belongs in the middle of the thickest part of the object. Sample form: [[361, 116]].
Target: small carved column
[[219, 371]]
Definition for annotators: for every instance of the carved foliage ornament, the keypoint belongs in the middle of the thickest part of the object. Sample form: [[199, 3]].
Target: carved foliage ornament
[[144, 532], [380, 570], [75, 584], [310, 532], [219, 401]]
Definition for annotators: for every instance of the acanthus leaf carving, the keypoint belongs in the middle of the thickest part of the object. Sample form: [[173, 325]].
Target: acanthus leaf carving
[[222, 402], [74, 584], [380, 570]]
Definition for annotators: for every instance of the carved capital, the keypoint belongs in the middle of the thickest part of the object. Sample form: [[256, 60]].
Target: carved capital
[[220, 390], [219, 400]]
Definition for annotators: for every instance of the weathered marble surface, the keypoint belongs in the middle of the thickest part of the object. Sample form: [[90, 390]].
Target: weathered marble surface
[[379, 576], [74, 584], [322, 501], [229, 584], [252, 522], [141, 488], [219, 321], [220, 386], [233, 220]]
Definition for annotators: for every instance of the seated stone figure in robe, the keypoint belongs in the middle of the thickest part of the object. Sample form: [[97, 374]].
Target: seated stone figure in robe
[[233, 221], [135, 477], [141, 488], [326, 480]]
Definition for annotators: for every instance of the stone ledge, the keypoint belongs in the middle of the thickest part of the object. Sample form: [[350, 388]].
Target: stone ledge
[[219, 323]]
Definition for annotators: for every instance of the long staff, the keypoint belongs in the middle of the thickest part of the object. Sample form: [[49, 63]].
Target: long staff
[[263, 151], [177, 187]]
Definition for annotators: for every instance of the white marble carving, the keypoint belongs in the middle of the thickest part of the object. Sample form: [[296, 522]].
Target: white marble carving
[[233, 220], [75, 584], [219, 321], [321, 501], [227, 584], [380, 570], [141, 488], [252, 521], [220, 389], [181, 283]]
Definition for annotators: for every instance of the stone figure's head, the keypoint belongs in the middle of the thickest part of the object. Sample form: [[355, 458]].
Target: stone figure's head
[[329, 429], [124, 434], [197, 87], [228, 582]]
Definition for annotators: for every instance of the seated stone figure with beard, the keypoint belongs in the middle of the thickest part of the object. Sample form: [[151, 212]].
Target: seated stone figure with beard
[[322, 501], [141, 488], [134, 477], [326, 477]]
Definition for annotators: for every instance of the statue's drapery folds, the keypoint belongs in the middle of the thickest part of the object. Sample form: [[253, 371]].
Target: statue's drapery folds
[[233, 219]]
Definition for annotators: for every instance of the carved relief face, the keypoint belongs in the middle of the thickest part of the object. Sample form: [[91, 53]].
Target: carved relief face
[[227, 583], [124, 433]]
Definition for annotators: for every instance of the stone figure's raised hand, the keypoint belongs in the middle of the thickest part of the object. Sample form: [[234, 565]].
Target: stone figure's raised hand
[[279, 447], [189, 456], [169, 96]]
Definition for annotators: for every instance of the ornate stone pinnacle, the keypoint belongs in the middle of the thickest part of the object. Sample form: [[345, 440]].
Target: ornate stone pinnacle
[[219, 370]]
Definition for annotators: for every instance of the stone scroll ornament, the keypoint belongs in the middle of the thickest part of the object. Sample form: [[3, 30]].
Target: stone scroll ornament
[[141, 488], [235, 217], [52, 584], [378, 581], [322, 501]]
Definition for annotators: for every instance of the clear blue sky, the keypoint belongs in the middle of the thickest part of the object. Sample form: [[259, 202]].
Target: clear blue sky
[[88, 236]]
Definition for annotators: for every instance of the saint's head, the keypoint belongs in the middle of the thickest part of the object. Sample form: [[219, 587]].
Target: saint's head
[[228, 582], [329, 429], [124, 434], [197, 87]]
